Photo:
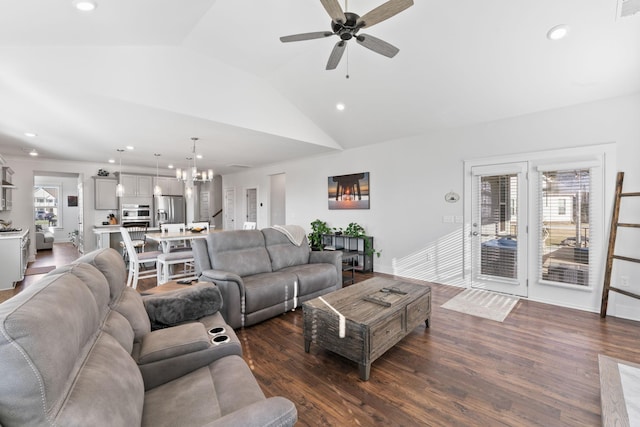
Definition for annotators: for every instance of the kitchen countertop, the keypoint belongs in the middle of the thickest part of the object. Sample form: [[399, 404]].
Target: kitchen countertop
[[14, 234], [100, 229]]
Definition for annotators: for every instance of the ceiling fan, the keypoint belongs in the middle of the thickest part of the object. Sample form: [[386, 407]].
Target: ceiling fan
[[347, 24]]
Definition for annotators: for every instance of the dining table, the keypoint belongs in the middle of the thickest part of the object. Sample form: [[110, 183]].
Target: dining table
[[165, 239]]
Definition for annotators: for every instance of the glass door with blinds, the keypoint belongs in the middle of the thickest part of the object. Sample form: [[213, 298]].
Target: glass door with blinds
[[499, 228]]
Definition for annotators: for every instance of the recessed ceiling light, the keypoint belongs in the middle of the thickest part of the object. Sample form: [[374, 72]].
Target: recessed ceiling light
[[33, 152], [130, 147], [30, 134], [558, 32], [340, 106], [170, 166], [198, 156], [112, 160], [85, 5]]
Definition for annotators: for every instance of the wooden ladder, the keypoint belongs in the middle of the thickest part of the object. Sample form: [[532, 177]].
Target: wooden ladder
[[612, 243]]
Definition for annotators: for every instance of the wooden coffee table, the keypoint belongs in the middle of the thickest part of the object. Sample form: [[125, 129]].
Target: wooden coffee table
[[374, 319]]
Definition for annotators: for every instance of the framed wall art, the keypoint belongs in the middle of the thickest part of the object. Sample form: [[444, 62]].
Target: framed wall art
[[349, 191]]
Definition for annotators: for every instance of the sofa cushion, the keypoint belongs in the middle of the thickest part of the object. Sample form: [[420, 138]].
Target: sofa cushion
[[108, 387], [282, 251], [119, 327], [167, 343], [51, 360], [313, 277], [269, 289], [226, 385], [130, 305], [110, 263], [241, 251]]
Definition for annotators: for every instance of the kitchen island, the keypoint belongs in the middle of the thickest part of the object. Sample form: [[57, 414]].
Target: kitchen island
[[108, 236]]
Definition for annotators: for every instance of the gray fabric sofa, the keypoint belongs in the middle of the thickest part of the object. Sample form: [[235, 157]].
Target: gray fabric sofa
[[262, 274], [77, 349], [44, 240]]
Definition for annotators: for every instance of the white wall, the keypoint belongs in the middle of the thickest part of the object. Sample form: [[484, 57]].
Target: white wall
[[410, 177]]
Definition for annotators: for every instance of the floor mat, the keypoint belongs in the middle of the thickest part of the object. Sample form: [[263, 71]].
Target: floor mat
[[480, 303]]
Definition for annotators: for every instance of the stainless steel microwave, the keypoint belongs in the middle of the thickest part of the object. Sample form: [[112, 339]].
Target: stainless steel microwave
[[135, 212]]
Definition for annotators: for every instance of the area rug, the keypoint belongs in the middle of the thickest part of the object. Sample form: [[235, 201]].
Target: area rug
[[619, 391], [480, 303], [32, 271]]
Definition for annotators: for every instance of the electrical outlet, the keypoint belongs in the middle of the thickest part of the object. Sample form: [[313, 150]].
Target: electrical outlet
[[624, 281]]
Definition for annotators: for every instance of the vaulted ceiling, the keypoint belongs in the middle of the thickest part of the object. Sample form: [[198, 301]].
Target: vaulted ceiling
[[154, 73]]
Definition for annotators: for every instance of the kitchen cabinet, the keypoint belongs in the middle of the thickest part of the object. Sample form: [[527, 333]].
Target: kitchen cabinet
[[105, 193], [137, 185], [170, 186], [14, 247], [6, 204]]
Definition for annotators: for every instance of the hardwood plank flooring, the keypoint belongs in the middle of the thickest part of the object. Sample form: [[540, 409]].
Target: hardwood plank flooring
[[537, 368]]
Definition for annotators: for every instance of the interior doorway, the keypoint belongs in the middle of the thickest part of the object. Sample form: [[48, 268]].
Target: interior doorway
[[277, 201], [251, 196], [229, 210]]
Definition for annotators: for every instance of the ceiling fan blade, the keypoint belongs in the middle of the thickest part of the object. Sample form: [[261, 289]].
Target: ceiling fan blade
[[334, 10], [377, 45], [336, 55], [382, 12], [305, 36]]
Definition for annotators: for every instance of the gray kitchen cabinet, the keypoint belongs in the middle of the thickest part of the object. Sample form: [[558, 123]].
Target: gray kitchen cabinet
[[137, 185], [105, 193], [170, 186]]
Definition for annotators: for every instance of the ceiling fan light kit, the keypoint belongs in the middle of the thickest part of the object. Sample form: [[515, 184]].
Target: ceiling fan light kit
[[346, 25]]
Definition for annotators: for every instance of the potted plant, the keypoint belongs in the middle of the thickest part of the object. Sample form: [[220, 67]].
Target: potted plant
[[356, 230], [318, 229]]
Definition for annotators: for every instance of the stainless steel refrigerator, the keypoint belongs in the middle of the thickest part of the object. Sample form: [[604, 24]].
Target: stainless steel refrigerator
[[170, 210]]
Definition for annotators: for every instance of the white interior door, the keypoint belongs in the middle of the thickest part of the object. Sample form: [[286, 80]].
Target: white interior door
[[252, 205], [229, 208], [499, 228]]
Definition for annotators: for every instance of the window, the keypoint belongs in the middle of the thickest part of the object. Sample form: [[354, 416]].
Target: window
[[566, 224], [46, 203]]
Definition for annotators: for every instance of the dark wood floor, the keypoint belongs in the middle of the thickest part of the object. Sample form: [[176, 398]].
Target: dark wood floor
[[537, 368]]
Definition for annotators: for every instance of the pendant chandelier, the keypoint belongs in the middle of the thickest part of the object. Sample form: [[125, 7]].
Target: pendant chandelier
[[204, 176], [157, 191], [120, 187]]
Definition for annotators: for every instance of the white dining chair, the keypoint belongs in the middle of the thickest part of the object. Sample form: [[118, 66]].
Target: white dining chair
[[137, 234], [138, 260], [249, 226], [179, 245]]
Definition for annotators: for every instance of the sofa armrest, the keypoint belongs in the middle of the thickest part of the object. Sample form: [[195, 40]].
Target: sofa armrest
[[272, 412], [231, 287], [328, 257], [182, 305], [172, 342]]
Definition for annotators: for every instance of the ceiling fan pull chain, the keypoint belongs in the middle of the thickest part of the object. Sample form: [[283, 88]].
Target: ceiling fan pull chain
[[347, 76]]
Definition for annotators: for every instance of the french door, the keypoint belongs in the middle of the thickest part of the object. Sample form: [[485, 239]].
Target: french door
[[499, 228]]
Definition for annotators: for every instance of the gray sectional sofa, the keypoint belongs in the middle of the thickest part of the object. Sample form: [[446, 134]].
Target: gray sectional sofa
[[77, 349], [263, 273]]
